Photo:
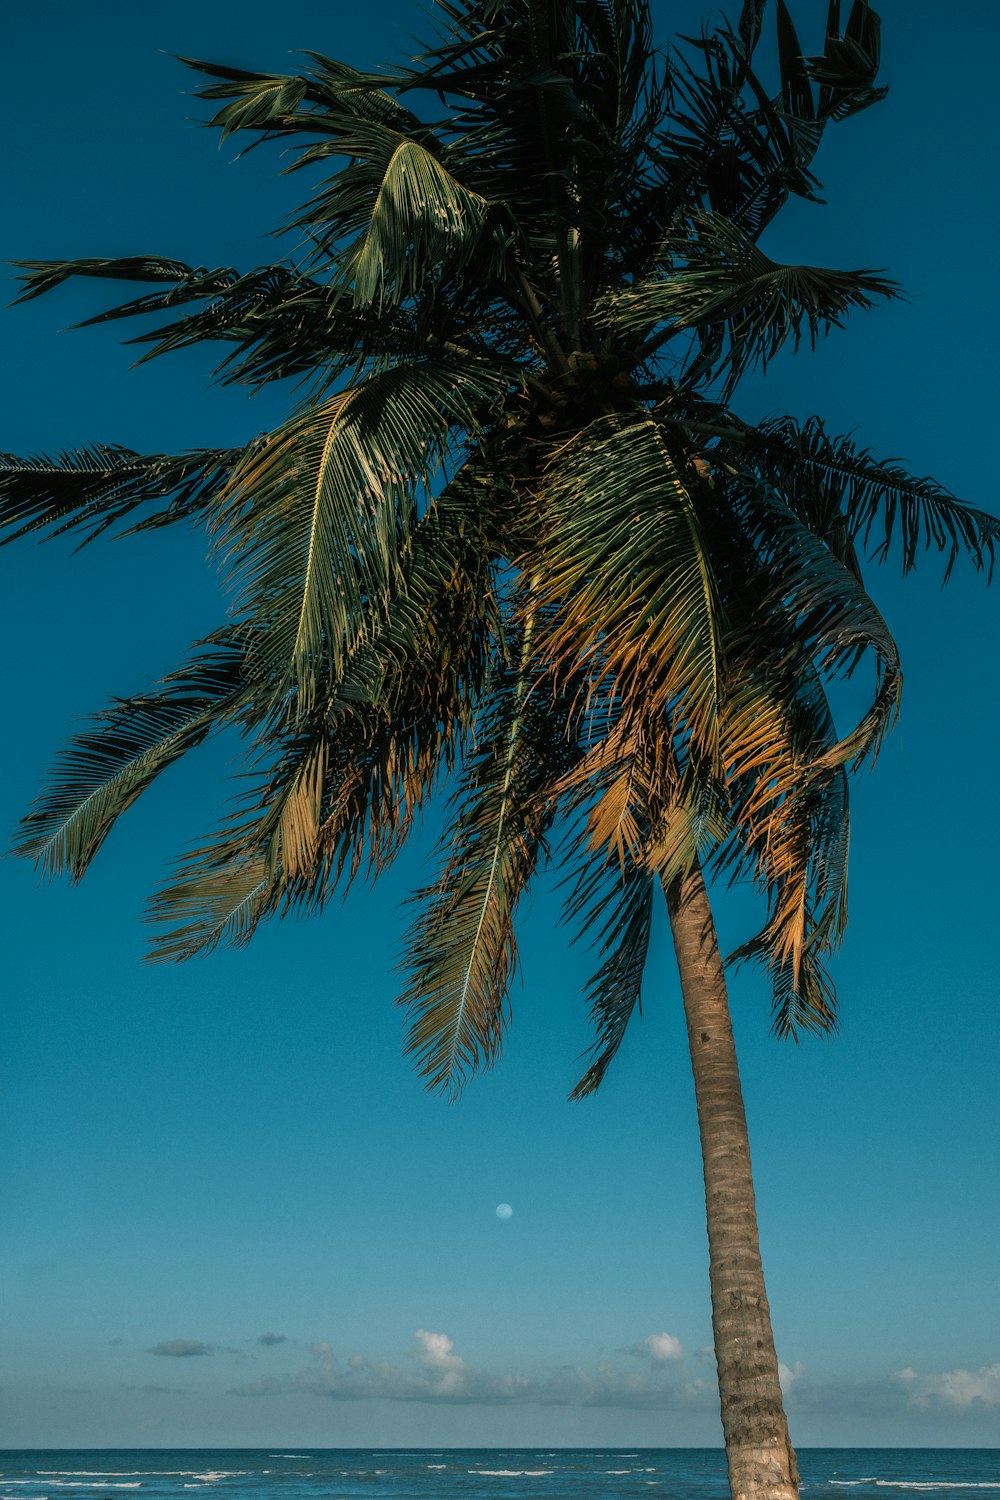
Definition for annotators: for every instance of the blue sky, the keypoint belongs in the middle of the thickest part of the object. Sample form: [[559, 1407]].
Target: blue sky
[[199, 1157]]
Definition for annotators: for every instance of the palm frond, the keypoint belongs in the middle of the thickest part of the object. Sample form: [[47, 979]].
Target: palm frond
[[222, 908], [284, 324], [223, 889], [625, 569], [621, 899], [714, 280], [420, 218], [89, 490], [837, 486], [105, 769], [848, 66], [825, 615], [789, 819], [43, 275], [275, 103], [314, 519], [461, 951], [344, 786]]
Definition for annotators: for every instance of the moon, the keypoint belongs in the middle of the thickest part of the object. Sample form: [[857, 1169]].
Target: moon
[[504, 1210]]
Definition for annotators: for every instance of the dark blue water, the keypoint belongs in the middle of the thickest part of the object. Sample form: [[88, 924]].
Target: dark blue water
[[479, 1474]]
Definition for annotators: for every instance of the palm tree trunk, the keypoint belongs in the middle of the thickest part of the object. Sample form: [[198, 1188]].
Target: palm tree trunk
[[761, 1458]]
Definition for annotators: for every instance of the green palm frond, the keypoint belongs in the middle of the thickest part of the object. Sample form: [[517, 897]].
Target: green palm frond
[[347, 784], [278, 103], [837, 485], [314, 519], [417, 687], [43, 275], [91, 489], [461, 951], [715, 280], [106, 768], [621, 900], [284, 324], [420, 218], [222, 908]]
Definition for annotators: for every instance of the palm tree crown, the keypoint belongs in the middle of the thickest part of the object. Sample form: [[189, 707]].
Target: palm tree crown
[[512, 528]]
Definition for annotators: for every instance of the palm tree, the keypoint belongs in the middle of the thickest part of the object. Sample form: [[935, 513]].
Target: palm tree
[[513, 536]]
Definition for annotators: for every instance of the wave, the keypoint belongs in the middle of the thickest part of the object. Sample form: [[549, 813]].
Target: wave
[[510, 1473], [921, 1484]]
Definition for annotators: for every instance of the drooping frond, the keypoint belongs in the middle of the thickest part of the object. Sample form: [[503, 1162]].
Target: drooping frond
[[314, 519], [461, 952], [822, 614], [421, 217], [393, 187], [224, 888], [790, 820], [104, 769], [345, 786], [223, 908], [626, 571], [621, 901], [91, 489], [796, 616]]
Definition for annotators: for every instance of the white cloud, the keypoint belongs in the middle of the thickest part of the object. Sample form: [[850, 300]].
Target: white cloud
[[957, 1388], [448, 1371], [789, 1374], [659, 1347]]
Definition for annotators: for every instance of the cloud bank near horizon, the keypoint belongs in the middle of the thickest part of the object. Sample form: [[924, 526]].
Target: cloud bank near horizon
[[955, 1388], [436, 1373], [661, 1377]]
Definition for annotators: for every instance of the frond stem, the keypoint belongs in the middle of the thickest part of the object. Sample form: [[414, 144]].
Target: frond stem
[[548, 340]]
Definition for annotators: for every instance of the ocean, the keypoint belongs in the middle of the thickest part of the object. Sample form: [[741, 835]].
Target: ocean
[[477, 1474]]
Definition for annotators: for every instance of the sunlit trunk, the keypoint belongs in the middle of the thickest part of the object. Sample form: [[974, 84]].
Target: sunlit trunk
[[760, 1456]]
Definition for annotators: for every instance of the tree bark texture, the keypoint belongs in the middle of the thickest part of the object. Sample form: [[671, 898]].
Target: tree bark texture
[[761, 1459]]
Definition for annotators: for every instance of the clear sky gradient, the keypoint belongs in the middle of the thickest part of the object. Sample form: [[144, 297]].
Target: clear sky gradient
[[230, 1213]]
